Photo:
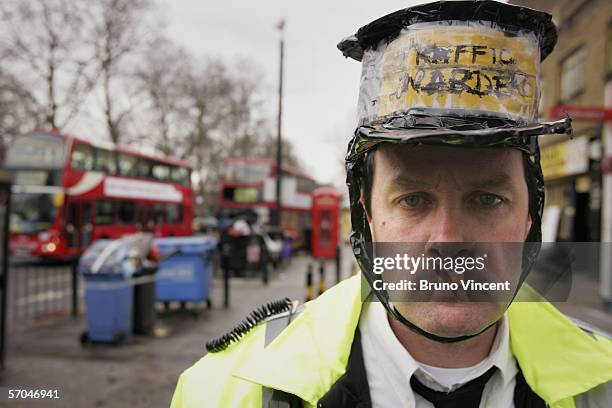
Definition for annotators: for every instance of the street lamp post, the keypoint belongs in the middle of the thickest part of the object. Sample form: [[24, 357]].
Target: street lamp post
[[276, 220]]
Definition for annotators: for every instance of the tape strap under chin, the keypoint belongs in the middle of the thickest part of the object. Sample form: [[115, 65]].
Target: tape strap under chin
[[441, 339]]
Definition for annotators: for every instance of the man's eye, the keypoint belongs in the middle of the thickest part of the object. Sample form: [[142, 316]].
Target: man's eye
[[413, 201], [488, 200]]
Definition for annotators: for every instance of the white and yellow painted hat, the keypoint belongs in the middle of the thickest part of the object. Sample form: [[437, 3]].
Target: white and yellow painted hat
[[453, 66]]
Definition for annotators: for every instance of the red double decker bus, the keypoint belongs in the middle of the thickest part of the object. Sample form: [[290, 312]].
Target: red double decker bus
[[250, 183], [68, 192]]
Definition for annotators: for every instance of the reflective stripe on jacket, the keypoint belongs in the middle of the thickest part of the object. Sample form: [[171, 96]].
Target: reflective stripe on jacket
[[559, 360]]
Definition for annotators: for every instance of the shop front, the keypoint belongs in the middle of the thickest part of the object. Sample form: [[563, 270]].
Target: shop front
[[573, 190]]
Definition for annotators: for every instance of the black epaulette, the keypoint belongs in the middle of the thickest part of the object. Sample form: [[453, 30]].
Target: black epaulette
[[264, 312], [589, 328]]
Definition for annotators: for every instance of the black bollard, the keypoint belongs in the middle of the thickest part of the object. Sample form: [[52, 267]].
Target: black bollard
[[308, 284], [321, 278]]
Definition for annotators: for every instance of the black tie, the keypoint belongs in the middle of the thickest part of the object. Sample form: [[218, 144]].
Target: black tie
[[466, 396]]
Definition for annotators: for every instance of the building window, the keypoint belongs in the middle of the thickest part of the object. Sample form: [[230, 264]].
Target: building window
[[572, 74]]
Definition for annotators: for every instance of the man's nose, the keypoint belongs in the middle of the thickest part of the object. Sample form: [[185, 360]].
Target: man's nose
[[448, 235]]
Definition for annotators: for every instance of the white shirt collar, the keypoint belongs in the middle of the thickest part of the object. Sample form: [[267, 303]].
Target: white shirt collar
[[399, 365]]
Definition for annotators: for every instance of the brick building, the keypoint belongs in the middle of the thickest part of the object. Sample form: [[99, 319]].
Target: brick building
[[577, 74]]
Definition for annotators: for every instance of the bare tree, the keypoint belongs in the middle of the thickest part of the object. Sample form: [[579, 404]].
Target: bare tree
[[119, 32], [18, 109], [267, 149], [161, 78], [54, 53], [199, 110], [251, 124], [227, 116], [42, 47], [246, 122], [208, 88]]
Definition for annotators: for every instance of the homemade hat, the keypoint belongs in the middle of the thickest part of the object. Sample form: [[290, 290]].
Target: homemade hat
[[453, 66]]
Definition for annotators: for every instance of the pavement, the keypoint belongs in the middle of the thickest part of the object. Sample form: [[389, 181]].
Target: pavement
[[143, 373]]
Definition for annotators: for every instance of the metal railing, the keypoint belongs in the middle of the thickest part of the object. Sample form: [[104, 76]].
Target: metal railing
[[40, 292]]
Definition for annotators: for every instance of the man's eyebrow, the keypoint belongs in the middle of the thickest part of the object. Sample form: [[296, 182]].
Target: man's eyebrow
[[402, 180], [500, 180]]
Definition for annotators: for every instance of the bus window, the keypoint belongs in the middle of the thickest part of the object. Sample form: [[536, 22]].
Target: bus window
[[180, 175], [127, 212], [127, 165], [143, 168], [105, 161], [245, 172], [37, 177], [141, 214], [104, 212], [159, 214], [31, 213], [160, 171], [38, 150], [306, 185], [174, 213], [82, 157]]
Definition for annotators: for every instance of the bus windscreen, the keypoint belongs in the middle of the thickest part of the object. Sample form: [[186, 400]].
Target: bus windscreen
[[31, 213]]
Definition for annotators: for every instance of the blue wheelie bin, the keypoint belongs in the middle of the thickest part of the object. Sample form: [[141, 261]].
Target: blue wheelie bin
[[185, 274], [108, 292]]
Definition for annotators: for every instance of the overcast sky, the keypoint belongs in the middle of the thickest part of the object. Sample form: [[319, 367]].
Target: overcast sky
[[320, 85]]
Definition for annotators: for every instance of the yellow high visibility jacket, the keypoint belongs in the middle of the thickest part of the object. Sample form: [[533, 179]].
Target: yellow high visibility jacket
[[558, 359]]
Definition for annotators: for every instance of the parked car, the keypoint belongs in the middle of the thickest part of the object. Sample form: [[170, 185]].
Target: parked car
[[205, 225]]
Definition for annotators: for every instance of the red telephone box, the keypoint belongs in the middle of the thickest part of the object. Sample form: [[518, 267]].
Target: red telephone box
[[325, 222]]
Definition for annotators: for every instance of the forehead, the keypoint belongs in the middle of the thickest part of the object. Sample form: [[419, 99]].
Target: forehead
[[425, 162]]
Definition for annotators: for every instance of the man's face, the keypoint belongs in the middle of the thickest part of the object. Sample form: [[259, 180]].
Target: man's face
[[438, 194]]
